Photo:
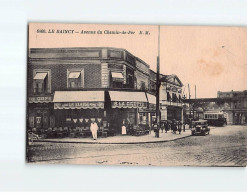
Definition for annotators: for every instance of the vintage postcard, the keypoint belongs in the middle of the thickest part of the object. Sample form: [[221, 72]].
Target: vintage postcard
[[136, 95]]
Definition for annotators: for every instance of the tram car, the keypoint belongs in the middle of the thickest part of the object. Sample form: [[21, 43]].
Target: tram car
[[215, 118]]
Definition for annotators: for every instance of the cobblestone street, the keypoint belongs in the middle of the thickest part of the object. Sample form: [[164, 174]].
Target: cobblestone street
[[225, 146]]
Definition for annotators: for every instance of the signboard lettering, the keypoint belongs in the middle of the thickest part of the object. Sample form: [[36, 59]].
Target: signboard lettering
[[117, 104], [79, 105], [40, 99]]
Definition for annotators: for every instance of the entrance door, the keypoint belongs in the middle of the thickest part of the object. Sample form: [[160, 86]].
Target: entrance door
[[117, 117]]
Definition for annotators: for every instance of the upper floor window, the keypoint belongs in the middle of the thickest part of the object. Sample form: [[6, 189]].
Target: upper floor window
[[143, 86], [174, 97], [117, 79], [75, 79], [41, 82]]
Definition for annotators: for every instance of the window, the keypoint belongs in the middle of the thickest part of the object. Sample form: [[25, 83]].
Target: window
[[117, 79], [40, 82], [75, 79], [168, 97], [174, 97]]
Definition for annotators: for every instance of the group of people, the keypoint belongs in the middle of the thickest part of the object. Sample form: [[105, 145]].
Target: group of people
[[174, 126]]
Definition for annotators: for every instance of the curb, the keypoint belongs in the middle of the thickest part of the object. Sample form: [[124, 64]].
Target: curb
[[147, 142]]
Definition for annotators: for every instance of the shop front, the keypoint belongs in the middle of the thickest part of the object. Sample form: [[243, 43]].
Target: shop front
[[125, 109], [40, 112], [79, 108], [148, 115]]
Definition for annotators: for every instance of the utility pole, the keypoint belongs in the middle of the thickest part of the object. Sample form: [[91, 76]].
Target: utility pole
[[158, 88], [195, 91], [189, 99]]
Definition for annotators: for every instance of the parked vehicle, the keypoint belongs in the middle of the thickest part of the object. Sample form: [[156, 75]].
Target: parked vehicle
[[200, 128]]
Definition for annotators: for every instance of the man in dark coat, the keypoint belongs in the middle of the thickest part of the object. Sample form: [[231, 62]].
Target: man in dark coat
[[179, 127]]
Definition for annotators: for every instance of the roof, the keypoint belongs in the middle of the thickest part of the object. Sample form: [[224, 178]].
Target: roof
[[168, 78]]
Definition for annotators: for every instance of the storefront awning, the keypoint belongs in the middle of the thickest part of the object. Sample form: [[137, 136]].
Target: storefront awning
[[79, 99], [40, 76], [127, 99], [151, 99], [74, 75], [117, 76]]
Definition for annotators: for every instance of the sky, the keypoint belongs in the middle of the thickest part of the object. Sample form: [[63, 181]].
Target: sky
[[210, 58]]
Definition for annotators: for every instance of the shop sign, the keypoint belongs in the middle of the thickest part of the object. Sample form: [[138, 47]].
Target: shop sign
[[40, 99], [117, 104], [78, 105]]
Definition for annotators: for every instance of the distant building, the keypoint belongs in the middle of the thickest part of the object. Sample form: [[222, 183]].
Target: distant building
[[236, 109], [171, 97]]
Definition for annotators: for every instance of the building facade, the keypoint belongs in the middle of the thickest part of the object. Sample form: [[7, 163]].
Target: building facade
[[235, 110], [171, 98], [70, 87]]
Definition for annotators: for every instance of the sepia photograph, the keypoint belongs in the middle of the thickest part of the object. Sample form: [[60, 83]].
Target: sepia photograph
[[136, 95]]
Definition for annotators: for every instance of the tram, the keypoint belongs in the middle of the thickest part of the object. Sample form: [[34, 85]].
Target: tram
[[215, 118]]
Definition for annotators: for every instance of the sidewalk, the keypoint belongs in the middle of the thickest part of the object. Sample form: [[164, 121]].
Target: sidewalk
[[123, 139]]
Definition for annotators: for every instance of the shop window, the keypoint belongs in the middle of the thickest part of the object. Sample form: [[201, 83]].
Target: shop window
[[40, 82], [75, 79]]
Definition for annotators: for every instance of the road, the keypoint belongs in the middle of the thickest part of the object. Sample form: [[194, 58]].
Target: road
[[225, 146]]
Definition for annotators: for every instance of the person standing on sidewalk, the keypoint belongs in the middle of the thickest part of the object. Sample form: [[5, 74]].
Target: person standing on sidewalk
[[179, 127], [166, 126], [124, 132], [94, 128], [156, 130], [184, 126]]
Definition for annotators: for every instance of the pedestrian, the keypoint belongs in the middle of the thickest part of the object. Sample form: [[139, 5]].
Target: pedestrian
[[162, 127], [190, 124], [166, 126], [155, 126], [174, 127], [179, 127], [184, 126], [94, 128], [124, 127]]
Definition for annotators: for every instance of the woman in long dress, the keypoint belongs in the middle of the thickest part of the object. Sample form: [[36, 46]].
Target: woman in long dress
[[124, 128]]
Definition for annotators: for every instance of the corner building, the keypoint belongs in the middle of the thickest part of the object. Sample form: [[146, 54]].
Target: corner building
[[70, 87]]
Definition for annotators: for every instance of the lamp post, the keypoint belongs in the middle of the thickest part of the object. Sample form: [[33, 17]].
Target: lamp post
[[157, 88]]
